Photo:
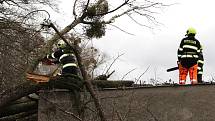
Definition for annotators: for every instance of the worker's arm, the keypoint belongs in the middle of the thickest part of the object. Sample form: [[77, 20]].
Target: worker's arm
[[180, 51], [54, 57]]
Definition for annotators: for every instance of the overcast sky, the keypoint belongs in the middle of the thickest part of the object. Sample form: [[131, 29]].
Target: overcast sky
[[157, 48]]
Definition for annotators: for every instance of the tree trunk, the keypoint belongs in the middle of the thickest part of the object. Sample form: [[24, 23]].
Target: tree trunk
[[16, 117], [18, 108], [17, 92]]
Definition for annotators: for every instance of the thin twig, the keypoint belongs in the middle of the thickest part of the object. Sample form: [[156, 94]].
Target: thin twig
[[128, 73], [58, 107], [121, 29], [113, 63], [138, 22], [143, 73]]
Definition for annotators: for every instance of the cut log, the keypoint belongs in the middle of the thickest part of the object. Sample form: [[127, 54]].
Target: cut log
[[37, 78]]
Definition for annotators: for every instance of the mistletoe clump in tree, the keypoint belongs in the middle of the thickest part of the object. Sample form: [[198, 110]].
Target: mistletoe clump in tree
[[94, 16]]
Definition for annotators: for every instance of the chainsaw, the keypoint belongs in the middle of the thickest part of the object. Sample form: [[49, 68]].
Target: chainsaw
[[172, 69]]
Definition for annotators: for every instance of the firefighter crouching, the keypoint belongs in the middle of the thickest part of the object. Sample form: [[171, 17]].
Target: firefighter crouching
[[189, 52], [65, 57], [69, 76]]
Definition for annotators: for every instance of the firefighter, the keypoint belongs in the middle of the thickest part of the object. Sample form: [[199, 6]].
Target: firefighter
[[65, 57], [69, 77], [200, 66], [188, 55]]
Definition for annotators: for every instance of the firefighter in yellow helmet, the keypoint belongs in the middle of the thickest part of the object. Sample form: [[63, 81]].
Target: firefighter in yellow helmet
[[69, 78], [65, 57], [188, 56]]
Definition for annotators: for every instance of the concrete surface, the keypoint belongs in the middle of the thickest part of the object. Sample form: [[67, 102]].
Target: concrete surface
[[164, 103]]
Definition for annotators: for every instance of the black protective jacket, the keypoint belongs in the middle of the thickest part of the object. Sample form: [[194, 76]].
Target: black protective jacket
[[189, 51], [67, 59]]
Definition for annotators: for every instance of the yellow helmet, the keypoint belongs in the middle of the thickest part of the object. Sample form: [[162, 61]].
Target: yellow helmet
[[61, 44], [191, 31]]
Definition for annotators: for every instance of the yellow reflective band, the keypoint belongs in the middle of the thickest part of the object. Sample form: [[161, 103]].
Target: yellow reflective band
[[69, 64], [190, 47], [195, 56], [201, 61], [200, 72], [180, 49], [199, 68], [198, 51], [189, 56], [52, 55], [65, 55], [192, 53], [182, 81]]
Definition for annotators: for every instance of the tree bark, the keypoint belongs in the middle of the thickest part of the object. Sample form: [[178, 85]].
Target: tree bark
[[17, 92], [18, 108], [19, 116], [89, 85]]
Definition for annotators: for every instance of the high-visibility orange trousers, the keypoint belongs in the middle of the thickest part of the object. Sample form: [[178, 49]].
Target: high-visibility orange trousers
[[192, 73]]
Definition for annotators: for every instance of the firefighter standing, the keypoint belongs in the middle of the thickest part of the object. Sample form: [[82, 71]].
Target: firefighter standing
[[188, 56]]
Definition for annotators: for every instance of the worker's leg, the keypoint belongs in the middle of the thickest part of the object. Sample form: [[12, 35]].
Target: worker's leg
[[77, 101], [199, 78], [200, 73], [193, 74], [182, 74]]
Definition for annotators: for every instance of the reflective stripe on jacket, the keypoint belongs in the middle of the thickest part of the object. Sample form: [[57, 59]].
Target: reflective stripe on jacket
[[189, 51], [66, 59]]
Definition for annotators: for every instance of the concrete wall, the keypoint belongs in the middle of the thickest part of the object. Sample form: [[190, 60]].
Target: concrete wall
[[173, 103], [56, 105]]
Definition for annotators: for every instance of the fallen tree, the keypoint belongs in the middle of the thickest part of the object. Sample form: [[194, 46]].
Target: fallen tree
[[92, 18]]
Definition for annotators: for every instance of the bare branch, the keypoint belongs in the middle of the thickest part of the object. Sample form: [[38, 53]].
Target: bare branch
[[119, 115], [138, 22], [85, 9], [113, 63], [128, 73], [111, 20], [58, 107], [74, 6], [35, 12], [143, 73], [121, 29], [148, 110]]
